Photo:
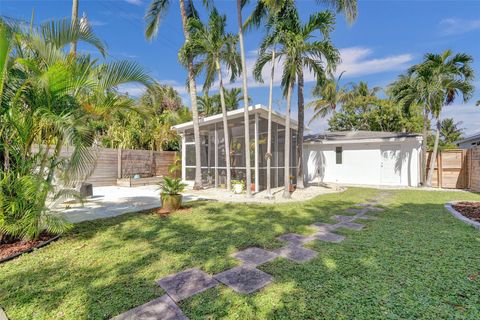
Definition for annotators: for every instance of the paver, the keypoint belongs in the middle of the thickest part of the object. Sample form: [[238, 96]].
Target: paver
[[254, 256], [356, 211], [163, 308], [323, 227], [295, 239], [344, 218], [375, 209], [296, 253], [330, 237], [351, 225], [367, 217], [187, 283], [244, 279]]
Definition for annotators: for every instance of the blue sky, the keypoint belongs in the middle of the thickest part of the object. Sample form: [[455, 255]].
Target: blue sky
[[387, 37]]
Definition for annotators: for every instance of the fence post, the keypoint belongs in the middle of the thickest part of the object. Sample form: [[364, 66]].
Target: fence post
[[440, 169], [119, 163]]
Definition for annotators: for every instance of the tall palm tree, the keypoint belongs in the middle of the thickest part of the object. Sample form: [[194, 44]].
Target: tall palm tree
[[233, 98], [298, 52], [212, 47], [330, 96], [153, 18], [73, 45], [207, 104], [434, 83]]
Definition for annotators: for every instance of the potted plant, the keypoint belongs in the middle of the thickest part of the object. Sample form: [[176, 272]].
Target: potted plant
[[170, 193], [237, 186], [291, 186]]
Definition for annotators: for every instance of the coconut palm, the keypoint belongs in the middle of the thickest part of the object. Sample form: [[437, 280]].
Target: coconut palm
[[208, 105], [233, 98], [212, 48], [153, 17], [330, 95]]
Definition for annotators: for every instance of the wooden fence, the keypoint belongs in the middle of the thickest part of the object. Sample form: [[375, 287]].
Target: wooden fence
[[113, 164], [474, 169]]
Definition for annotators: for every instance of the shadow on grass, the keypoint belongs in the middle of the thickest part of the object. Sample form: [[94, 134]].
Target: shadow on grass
[[108, 266]]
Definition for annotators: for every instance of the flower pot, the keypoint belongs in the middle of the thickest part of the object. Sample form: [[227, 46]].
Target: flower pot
[[252, 186], [171, 202], [237, 188], [292, 187]]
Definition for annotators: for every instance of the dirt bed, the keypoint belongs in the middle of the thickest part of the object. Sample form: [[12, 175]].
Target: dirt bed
[[11, 249], [471, 210]]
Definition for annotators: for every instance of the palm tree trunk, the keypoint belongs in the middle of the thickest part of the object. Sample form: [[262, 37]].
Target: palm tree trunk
[[73, 45], [424, 148], [225, 125], [434, 153], [245, 99], [269, 134], [286, 191], [300, 129], [193, 98]]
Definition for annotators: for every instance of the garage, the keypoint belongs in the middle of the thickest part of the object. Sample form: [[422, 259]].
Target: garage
[[363, 158]]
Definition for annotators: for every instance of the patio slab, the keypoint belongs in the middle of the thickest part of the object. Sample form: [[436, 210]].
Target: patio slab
[[163, 308], [340, 218], [244, 279], [295, 239], [187, 283], [351, 225], [330, 237], [296, 253], [254, 256]]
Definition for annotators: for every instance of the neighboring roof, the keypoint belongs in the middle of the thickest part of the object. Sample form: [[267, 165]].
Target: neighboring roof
[[358, 136], [473, 140], [258, 108]]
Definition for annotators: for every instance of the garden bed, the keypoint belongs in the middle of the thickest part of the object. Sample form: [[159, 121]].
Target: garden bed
[[9, 251], [470, 210]]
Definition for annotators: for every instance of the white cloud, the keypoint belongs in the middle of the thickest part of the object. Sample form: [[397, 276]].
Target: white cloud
[[452, 26], [135, 2], [132, 89], [96, 23], [468, 114]]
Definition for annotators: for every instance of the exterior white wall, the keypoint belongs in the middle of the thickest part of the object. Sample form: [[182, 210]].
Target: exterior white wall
[[361, 163]]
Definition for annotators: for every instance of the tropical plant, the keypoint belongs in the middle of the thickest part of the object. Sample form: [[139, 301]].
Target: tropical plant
[[153, 17], [171, 186], [211, 48], [434, 83], [450, 132], [329, 96]]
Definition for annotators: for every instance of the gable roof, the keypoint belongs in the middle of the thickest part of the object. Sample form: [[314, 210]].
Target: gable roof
[[470, 141], [358, 136], [258, 108]]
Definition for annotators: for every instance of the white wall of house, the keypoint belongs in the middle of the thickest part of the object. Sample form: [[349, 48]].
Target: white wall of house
[[392, 162]]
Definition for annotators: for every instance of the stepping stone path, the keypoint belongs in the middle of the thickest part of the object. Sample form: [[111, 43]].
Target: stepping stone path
[[246, 278]]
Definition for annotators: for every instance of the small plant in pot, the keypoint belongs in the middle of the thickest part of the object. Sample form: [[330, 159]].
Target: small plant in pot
[[238, 186], [170, 193]]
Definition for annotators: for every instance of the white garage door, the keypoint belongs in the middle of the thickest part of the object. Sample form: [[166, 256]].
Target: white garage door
[[391, 164]]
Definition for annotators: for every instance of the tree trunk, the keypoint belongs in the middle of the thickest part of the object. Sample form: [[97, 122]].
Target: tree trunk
[[434, 153], [269, 134], [225, 125], [301, 116], [73, 45], [424, 148], [193, 98], [245, 99], [286, 191]]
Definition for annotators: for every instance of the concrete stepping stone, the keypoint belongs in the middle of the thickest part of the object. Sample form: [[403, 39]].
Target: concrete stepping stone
[[296, 253], [187, 283], [254, 256], [323, 227], [163, 308], [330, 237], [367, 217], [377, 209], [340, 218], [351, 225], [244, 279], [295, 239], [356, 211], [3, 315]]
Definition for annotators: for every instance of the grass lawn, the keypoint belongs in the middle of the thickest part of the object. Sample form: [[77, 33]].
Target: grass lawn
[[416, 261]]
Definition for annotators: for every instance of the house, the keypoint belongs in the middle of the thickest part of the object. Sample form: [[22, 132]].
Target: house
[[213, 150], [469, 142], [357, 157], [363, 158]]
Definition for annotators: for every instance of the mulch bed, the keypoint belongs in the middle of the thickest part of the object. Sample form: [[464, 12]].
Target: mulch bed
[[12, 250], [471, 210]]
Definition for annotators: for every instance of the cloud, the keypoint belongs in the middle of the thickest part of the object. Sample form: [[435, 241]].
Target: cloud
[[453, 26], [135, 2], [132, 89], [97, 23], [468, 114]]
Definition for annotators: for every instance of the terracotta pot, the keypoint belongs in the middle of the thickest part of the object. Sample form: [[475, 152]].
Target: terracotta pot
[[171, 202], [252, 187], [292, 187]]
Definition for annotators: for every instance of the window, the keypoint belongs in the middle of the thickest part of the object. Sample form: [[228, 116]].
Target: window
[[338, 154]]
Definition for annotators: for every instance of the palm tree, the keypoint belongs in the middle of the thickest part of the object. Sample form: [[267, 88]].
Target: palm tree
[[233, 98], [434, 83], [153, 17], [330, 96], [73, 45], [208, 105], [212, 47]]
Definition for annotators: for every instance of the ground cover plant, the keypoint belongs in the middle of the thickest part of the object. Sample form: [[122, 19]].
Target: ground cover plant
[[415, 261]]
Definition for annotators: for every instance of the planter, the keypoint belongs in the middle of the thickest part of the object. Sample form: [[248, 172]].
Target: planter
[[252, 187], [237, 188], [171, 202], [38, 246], [292, 187]]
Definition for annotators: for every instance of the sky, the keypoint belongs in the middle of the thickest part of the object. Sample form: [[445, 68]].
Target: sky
[[387, 37]]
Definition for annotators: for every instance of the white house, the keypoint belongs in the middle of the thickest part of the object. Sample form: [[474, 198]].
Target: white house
[[363, 158], [469, 142]]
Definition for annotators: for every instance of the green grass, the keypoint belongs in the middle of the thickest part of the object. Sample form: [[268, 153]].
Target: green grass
[[416, 261]]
